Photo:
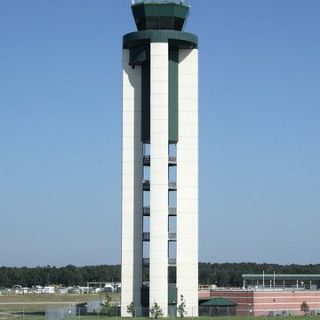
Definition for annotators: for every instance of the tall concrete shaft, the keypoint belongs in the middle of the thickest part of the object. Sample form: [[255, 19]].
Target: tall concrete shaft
[[160, 161]]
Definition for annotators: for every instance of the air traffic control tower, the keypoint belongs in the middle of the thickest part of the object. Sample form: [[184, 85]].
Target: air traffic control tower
[[160, 161]]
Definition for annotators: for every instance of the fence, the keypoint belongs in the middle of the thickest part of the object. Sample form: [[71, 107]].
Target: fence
[[62, 313], [93, 311]]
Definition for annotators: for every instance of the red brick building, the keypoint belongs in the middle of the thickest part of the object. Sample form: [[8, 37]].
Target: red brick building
[[276, 299]]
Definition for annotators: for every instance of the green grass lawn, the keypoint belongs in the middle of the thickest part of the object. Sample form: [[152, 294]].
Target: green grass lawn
[[33, 307], [35, 298], [30, 304]]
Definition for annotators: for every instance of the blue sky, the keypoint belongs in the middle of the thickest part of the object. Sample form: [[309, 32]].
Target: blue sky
[[60, 130]]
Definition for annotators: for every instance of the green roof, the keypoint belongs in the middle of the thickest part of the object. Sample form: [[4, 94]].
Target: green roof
[[218, 302]]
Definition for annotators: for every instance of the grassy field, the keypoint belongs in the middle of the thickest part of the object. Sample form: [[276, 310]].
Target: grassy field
[[33, 306], [39, 298], [33, 303]]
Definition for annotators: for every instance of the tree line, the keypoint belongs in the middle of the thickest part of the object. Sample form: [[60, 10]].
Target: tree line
[[66, 276], [221, 274], [230, 274]]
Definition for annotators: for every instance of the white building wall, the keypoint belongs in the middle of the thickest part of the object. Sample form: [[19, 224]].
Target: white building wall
[[132, 175], [187, 182], [159, 175]]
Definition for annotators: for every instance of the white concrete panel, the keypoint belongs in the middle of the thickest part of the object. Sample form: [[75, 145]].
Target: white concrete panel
[[187, 181], [131, 266], [159, 175]]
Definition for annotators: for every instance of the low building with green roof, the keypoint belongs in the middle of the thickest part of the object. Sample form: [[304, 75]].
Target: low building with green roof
[[217, 306]]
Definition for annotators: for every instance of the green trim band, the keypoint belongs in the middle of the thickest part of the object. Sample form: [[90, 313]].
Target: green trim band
[[179, 39]]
